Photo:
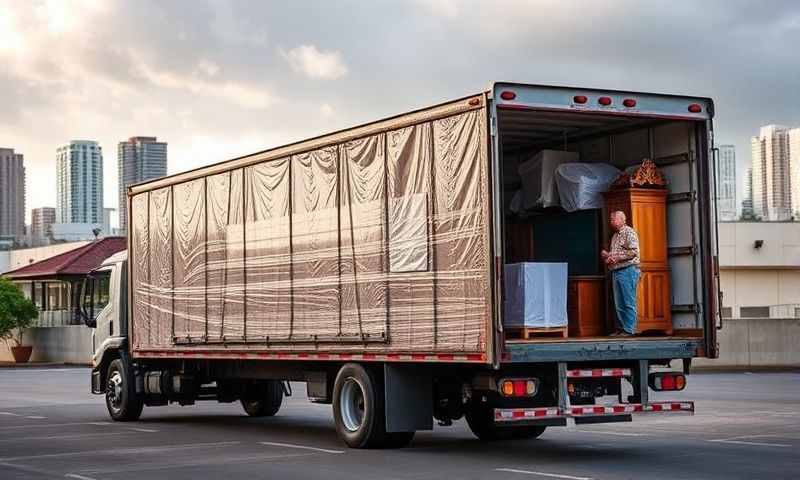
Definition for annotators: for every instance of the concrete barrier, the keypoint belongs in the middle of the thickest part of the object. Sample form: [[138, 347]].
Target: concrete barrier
[[66, 344], [756, 343]]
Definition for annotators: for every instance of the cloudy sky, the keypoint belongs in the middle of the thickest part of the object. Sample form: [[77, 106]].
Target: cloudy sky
[[220, 79]]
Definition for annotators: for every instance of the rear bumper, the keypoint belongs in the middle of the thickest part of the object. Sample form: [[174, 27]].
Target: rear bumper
[[585, 414], [601, 350]]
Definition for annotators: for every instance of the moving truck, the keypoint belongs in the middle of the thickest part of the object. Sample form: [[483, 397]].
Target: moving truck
[[369, 264]]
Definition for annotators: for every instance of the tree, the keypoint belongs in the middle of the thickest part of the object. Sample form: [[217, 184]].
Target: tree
[[16, 312]]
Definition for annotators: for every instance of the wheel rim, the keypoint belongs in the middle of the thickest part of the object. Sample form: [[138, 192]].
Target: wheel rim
[[351, 404], [114, 391]]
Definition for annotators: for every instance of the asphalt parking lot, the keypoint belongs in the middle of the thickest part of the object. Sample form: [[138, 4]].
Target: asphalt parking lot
[[747, 426]]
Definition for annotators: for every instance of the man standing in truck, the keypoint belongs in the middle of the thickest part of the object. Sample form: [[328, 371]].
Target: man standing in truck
[[623, 263]]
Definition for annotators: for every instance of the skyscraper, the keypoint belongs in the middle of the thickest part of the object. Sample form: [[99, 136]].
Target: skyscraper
[[12, 196], [726, 183], [41, 220], [772, 195], [79, 190], [794, 166], [747, 202], [139, 159]]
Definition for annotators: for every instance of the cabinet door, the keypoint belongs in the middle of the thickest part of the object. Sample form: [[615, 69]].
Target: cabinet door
[[652, 298]]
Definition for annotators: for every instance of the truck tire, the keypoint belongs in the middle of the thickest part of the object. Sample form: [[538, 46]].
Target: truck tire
[[480, 418], [122, 401], [358, 410], [263, 399]]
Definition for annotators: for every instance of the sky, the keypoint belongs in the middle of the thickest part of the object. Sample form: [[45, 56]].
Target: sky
[[220, 79]]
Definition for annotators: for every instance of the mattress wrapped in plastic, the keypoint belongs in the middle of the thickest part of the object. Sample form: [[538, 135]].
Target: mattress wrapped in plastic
[[535, 295], [581, 185]]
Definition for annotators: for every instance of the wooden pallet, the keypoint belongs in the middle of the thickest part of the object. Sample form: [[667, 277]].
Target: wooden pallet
[[529, 333]]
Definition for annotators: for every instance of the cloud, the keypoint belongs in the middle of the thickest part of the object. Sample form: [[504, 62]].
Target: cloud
[[326, 110], [310, 61]]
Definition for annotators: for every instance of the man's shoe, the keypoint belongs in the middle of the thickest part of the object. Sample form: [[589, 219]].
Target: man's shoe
[[616, 334], [625, 334]]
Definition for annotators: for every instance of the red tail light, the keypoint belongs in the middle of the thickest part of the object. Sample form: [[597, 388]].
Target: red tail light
[[605, 101], [695, 108], [629, 102], [508, 95], [668, 381], [580, 99], [518, 387]]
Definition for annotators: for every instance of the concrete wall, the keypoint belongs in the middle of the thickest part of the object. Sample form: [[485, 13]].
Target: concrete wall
[[780, 248], [67, 344], [760, 288], [756, 343]]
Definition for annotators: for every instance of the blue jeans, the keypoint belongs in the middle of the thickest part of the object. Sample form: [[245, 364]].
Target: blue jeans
[[625, 281]]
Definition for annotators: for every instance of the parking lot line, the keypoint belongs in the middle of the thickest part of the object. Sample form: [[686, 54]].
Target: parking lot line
[[755, 444], [541, 474], [124, 451], [302, 447], [78, 477]]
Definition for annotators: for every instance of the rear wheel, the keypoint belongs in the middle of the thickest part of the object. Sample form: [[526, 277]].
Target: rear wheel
[[480, 418], [123, 404], [263, 399], [358, 410]]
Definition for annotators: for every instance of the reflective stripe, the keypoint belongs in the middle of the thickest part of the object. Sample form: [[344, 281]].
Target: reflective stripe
[[512, 414]]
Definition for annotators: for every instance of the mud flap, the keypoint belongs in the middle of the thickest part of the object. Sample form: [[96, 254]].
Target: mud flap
[[408, 393]]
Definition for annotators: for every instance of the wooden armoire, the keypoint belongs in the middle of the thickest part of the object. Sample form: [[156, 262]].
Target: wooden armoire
[[646, 210]]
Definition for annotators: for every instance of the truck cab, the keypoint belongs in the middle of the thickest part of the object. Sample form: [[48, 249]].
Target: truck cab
[[103, 308]]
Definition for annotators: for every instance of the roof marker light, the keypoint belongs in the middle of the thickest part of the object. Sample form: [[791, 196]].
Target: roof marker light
[[580, 99], [629, 102], [695, 108], [605, 101], [508, 95]]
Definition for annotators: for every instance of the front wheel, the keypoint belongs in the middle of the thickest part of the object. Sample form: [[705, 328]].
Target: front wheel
[[123, 404]]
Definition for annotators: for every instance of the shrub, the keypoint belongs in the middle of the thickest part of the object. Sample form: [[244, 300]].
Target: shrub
[[16, 312]]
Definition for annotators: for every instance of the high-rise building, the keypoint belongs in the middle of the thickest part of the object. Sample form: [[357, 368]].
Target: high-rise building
[[726, 183], [138, 159], [794, 166], [79, 190], [772, 195], [747, 202], [41, 221], [12, 196], [107, 214]]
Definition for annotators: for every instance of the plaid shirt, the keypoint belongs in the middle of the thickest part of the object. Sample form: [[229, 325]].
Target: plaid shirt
[[624, 248]]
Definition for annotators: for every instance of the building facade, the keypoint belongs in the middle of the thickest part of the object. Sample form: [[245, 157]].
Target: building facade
[[794, 167], [12, 196], [79, 189], [760, 269], [772, 192], [747, 201], [138, 159], [41, 221], [726, 183]]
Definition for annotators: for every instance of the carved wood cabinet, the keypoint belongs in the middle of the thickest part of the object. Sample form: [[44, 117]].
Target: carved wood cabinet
[[646, 210], [586, 305]]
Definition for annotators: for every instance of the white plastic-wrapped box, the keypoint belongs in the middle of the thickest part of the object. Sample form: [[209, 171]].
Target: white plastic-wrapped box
[[538, 178], [580, 185], [536, 295]]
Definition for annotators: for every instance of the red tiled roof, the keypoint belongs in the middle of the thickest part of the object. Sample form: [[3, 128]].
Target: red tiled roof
[[79, 261]]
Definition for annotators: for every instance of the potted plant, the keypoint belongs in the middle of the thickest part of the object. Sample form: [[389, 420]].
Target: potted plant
[[16, 314]]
